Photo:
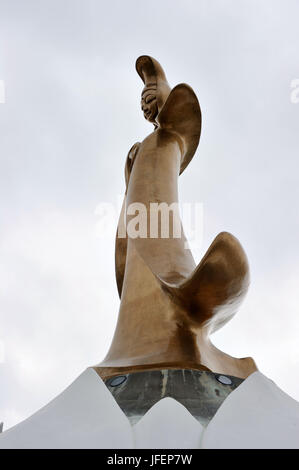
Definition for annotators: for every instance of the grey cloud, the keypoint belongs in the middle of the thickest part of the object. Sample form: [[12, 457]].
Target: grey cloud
[[71, 114]]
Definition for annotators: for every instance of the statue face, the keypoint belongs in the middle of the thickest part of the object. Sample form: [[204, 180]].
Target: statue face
[[149, 103]]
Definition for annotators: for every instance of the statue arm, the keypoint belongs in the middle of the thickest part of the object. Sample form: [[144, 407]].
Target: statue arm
[[121, 239], [130, 161]]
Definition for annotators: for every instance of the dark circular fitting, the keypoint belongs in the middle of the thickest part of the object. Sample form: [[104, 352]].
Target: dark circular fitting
[[120, 379], [224, 380]]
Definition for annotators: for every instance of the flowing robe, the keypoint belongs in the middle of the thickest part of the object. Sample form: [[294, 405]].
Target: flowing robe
[[169, 306]]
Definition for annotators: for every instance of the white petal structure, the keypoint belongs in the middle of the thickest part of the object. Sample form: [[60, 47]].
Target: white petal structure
[[255, 415], [84, 416], [167, 425]]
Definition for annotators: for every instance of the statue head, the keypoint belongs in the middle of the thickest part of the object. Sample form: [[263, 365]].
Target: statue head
[[156, 89], [149, 104]]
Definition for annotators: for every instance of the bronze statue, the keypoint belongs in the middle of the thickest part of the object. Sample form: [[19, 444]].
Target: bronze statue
[[169, 306]]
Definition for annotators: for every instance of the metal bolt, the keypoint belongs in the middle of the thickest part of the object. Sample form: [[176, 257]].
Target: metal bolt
[[120, 379], [224, 380]]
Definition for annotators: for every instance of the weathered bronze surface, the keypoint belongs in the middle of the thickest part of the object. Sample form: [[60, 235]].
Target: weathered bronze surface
[[201, 392], [169, 306]]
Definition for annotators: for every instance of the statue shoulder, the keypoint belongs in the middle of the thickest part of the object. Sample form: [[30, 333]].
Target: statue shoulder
[[181, 114]]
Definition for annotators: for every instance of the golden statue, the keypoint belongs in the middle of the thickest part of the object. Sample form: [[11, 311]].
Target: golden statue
[[169, 306]]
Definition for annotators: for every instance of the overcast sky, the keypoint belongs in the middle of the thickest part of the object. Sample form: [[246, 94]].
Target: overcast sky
[[72, 113]]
